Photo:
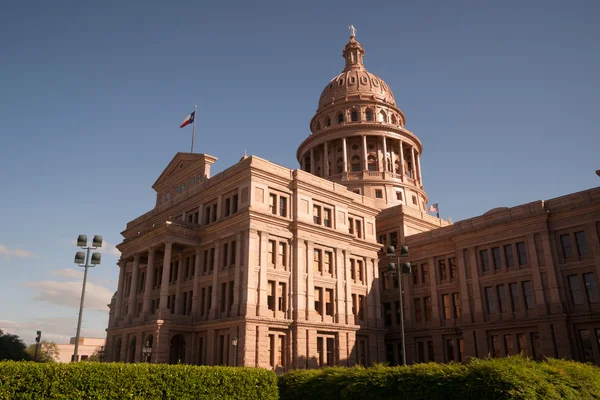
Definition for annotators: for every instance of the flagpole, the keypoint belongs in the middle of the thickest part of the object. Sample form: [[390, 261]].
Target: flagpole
[[194, 128], [437, 204]]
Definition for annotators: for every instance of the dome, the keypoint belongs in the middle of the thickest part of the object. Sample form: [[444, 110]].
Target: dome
[[355, 80]]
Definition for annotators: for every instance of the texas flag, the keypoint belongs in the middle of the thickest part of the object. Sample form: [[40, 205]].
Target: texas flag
[[434, 208], [188, 120]]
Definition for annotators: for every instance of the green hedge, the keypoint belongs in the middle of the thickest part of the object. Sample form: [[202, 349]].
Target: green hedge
[[500, 378], [27, 380]]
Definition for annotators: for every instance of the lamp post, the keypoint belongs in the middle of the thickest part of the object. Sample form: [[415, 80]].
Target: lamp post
[[38, 339], [234, 342], [83, 260], [147, 351], [395, 268]]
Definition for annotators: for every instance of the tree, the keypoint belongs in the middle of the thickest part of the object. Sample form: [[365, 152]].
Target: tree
[[12, 347], [48, 351]]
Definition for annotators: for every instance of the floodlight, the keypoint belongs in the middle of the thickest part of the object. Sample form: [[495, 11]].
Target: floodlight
[[406, 268], [403, 251], [82, 240], [234, 341], [79, 257], [391, 250], [97, 241], [95, 259], [391, 267]]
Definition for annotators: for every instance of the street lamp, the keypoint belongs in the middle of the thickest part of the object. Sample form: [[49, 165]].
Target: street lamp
[[234, 342], [147, 351], [395, 268], [83, 260]]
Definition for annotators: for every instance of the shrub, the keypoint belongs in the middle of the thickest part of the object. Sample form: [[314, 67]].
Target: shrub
[[27, 380], [501, 378]]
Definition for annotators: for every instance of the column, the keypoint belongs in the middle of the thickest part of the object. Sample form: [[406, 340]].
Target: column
[[384, 140], [212, 313], [325, 160], [419, 169], [122, 263], [149, 281], [402, 172], [364, 151], [341, 294], [164, 283], [310, 286], [344, 146], [133, 288], [236, 281], [350, 319], [178, 302], [263, 308], [312, 161], [413, 173], [196, 284]]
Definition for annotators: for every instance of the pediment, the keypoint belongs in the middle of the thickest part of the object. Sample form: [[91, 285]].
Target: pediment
[[179, 163]]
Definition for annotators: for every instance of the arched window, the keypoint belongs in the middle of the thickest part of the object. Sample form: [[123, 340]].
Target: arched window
[[382, 116], [354, 116], [394, 120], [340, 165], [328, 121], [355, 164], [369, 115], [340, 118], [389, 164], [372, 162]]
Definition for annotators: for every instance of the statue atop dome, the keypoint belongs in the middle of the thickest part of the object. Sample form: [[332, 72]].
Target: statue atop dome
[[352, 30]]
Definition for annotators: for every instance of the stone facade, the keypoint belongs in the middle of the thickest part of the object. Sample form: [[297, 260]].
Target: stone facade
[[289, 262]]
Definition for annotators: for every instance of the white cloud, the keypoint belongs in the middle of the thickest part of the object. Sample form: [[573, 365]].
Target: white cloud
[[68, 294], [67, 273], [8, 253], [58, 329]]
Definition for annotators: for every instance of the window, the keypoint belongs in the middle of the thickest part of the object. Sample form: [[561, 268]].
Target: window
[[340, 118], [387, 314], [397, 308], [461, 349], [282, 208], [227, 206], [420, 352], [495, 346], [502, 299], [280, 351], [358, 228], [317, 261], [378, 193], [414, 199], [328, 121], [508, 256], [415, 276], [271, 252], [514, 296], [447, 306], [371, 163], [450, 350], [281, 306], [399, 196], [428, 308], [430, 354], [425, 273], [442, 270], [565, 244], [327, 217], [522, 344], [522, 253], [328, 266], [508, 345], [361, 307], [355, 164], [319, 300], [282, 254], [225, 255], [272, 203], [586, 345], [489, 298], [590, 287], [528, 292], [453, 268], [394, 239], [581, 243], [329, 302], [369, 115], [271, 295], [496, 257], [457, 305], [354, 116], [485, 262], [317, 215]]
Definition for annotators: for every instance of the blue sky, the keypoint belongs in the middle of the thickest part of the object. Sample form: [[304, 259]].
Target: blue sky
[[503, 95]]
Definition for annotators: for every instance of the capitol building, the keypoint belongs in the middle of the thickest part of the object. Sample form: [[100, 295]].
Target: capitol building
[[264, 266]]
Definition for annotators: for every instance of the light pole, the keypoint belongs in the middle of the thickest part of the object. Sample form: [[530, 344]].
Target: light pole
[[234, 344], [147, 351], [83, 260], [395, 268], [38, 339]]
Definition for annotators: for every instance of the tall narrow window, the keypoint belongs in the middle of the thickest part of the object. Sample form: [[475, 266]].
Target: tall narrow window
[[320, 351], [528, 292], [418, 312], [317, 215], [271, 295], [340, 118], [496, 257], [359, 271], [489, 298], [522, 344], [425, 273], [447, 306], [327, 217], [502, 300], [282, 206], [361, 307], [358, 228], [575, 289], [590, 287], [387, 314], [457, 305], [508, 345], [319, 301], [514, 296], [281, 351], [271, 252], [442, 270], [282, 254], [329, 302], [281, 295], [354, 116], [495, 346], [485, 262], [449, 350], [565, 244], [369, 115], [453, 268], [586, 345], [581, 243], [428, 308], [317, 261], [522, 253], [508, 256], [272, 203], [328, 266]]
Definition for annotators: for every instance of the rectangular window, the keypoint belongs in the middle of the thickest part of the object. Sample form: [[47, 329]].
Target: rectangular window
[[225, 255], [328, 266], [489, 298], [496, 257], [590, 287], [449, 350], [234, 204], [428, 308], [453, 268], [327, 217], [223, 305], [320, 353], [319, 300], [271, 252], [227, 206], [528, 292], [522, 344], [399, 196], [282, 254], [586, 345], [495, 346], [361, 307], [273, 203], [281, 351], [209, 299], [421, 351], [417, 303], [229, 296], [233, 248], [442, 270], [415, 276], [272, 350], [508, 256], [514, 296], [359, 270], [502, 299], [202, 300], [211, 264], [353, 269], [447, 306], [485, 262], [575, 289], [317, 215], [397, 308], [351, 226], [565, 244], [378, 194], [317, 261], [329, 302], [330, 351], [213, 213], [457, 305], [387, 314], [283, 206], [394, 239], [281, 297], [425, 273], [355, 305], [430, 355], [581, 242], [358, 228], [271, 295], [508, 345], [522, 253]]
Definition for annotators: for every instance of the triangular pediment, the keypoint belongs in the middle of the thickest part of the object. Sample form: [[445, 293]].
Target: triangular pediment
[[179, 163]]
